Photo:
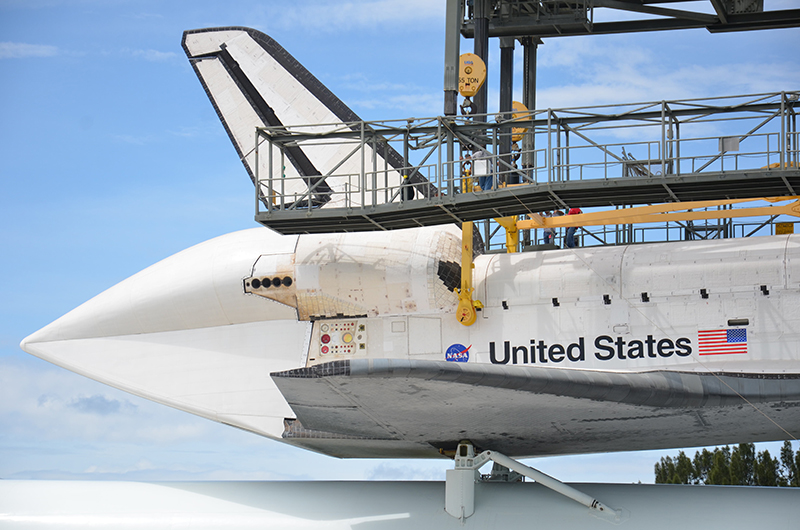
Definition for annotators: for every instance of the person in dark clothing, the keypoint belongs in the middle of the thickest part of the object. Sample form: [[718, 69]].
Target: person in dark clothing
[[571, 240]]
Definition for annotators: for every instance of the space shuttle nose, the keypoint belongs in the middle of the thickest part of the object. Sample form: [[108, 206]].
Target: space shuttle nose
[[200, 287], [186, 333]]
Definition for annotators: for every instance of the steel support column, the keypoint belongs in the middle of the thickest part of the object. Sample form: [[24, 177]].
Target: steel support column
[[506, 90], [530, 47], [481, 49], [451, 52]]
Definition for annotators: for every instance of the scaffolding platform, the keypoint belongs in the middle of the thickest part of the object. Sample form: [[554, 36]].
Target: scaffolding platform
[[420, 172], [532, 198]]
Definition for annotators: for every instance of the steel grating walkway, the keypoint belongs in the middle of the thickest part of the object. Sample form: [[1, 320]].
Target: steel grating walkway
[[522, 199]]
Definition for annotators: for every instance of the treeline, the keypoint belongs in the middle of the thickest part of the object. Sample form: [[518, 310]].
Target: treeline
[[740, 466]]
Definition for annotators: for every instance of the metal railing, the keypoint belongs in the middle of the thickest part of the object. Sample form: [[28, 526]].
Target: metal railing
[[362, 165], [494, 238]]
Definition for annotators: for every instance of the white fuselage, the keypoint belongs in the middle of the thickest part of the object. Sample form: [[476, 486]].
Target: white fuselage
[[196, 332]]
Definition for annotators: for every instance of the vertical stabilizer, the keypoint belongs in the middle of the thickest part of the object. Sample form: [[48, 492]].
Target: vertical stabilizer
[[253, 82]]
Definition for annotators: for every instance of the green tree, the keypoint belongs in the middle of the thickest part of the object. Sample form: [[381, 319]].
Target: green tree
[[790, 464], [702, 465], [664, 470], [766, 469], [738, 466], [684, 470], [797, 469], [675, 471], [742, 465], [720, 472]]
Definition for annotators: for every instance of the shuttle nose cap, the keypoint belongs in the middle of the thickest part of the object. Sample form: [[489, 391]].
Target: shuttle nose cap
[[184, 333], [200, 287]]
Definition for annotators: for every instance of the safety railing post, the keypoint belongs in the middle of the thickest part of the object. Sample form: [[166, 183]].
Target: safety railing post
[[677, 147], [363, 176], [309, 194], [549, 146], [385, 171], [374, 171], [270, 194], [494, 169], [283, 179], [439, 169], [663, 146], [782, 141], [451, 154], [258, 176], [406, 163], [271, 176], [448, 173], [560, 154], [793, 128]]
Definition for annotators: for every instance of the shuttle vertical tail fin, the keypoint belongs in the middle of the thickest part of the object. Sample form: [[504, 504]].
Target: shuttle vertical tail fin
[[254, 82]]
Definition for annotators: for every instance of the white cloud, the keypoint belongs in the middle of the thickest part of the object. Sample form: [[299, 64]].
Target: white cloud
[[338, 16], [421, 105], [20, 50], [634, 84], [363, 93], [570, 52], [153, 55], [362, 83], [101, 405], [207, 129], [52, 404], [596, 73]]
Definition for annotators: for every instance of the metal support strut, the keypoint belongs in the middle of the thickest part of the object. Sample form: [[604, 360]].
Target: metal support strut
[[460, 484], [465, 312]]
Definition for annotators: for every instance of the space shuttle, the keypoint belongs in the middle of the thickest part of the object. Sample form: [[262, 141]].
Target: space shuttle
[[352, 345], [348, 344]]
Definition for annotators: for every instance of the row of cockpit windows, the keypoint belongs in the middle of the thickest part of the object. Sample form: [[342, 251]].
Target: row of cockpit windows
[[266, 282]]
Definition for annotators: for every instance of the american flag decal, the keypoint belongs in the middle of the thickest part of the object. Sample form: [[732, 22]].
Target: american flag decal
[[722, 341]]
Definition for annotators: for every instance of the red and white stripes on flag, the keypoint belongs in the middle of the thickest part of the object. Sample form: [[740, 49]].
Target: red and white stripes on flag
[[722, 341]]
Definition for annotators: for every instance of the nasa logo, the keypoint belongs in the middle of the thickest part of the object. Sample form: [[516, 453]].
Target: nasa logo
[[457, 353]]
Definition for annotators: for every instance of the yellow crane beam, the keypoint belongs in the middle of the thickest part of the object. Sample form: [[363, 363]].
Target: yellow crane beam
[[510, 223], [665, 212]]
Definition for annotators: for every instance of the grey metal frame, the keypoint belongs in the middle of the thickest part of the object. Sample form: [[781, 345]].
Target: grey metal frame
[[559, 18], [585, 159]]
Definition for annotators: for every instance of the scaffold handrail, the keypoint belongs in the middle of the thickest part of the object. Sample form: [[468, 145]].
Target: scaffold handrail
[[371, 166]]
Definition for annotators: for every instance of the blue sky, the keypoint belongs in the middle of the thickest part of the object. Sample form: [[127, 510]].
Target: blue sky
[[112, 158]]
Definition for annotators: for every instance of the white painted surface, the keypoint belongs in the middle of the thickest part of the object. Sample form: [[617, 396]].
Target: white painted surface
[[382, 505], [672, 274], [184, 332]]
